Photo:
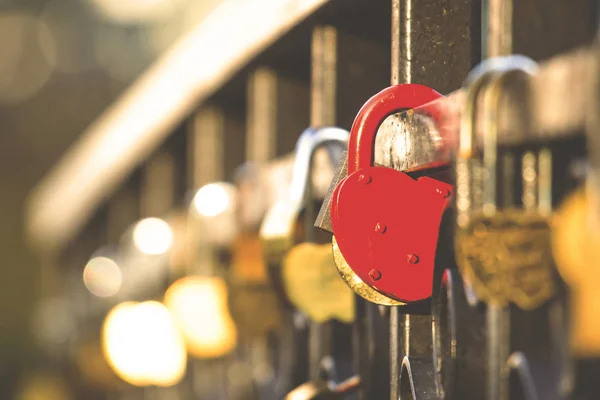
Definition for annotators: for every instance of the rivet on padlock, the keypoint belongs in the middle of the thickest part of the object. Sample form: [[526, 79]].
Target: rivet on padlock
[[410, 209], [521, 270]]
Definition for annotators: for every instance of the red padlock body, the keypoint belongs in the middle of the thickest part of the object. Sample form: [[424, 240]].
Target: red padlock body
[[387, 229]]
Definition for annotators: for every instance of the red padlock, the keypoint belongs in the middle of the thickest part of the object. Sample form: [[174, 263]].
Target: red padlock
[[386, 223]]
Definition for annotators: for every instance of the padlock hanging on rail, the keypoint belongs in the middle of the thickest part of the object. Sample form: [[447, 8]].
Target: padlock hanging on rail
[[455, 344], [386, 222], [305, 271], [503, 252]]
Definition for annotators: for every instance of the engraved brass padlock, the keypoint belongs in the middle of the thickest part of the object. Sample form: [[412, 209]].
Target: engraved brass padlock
[[504, 253]]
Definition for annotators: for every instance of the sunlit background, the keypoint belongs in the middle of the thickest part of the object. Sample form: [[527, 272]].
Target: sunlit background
[[62, 62]]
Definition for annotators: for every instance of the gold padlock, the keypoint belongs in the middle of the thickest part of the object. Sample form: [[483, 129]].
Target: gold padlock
[[307, 274], [313, 285], [504, 254], [576, 247]]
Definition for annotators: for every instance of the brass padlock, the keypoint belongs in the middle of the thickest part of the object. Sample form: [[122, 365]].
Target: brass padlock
[[503, 253], [576, 247], [314, 286], [306, 270]]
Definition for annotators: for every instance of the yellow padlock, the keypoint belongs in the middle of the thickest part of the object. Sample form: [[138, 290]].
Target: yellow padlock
[[313, 285], [576, 249]]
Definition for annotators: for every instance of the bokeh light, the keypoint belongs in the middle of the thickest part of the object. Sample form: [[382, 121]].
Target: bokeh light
[[142, 344], [153, 236], [213, 212], [199, 307], [213, 199], [102, 277]]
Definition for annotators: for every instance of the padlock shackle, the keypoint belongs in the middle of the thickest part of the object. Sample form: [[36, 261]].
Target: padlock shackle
[[475, 81], [492, 96], [309, 142], [492, 72], [389, 101]]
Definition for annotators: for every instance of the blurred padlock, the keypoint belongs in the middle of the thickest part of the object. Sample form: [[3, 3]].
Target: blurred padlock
[[503, 253], [280, 225], [576, 247], [306, 272], [254, 305], [385, 222], [314, 286]]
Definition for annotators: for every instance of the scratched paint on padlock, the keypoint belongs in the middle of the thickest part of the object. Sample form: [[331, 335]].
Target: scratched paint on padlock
[[507, 258], [386, 222], [355, 283], [387, 229], [313, 285]]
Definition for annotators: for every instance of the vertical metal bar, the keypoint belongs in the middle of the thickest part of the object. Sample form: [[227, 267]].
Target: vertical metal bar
[[261, 146], [529, 197], [498, 322], [497, 28], [123, 210], [324, 51], [404, 50], [204, 165], [206, 137], [323, 76], [157, 196], [508, 170], [545, 181], [261, 117], [400, 69], [497, 41]]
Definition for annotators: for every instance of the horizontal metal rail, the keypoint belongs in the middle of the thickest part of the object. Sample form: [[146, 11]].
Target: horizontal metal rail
[[128, 131]]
